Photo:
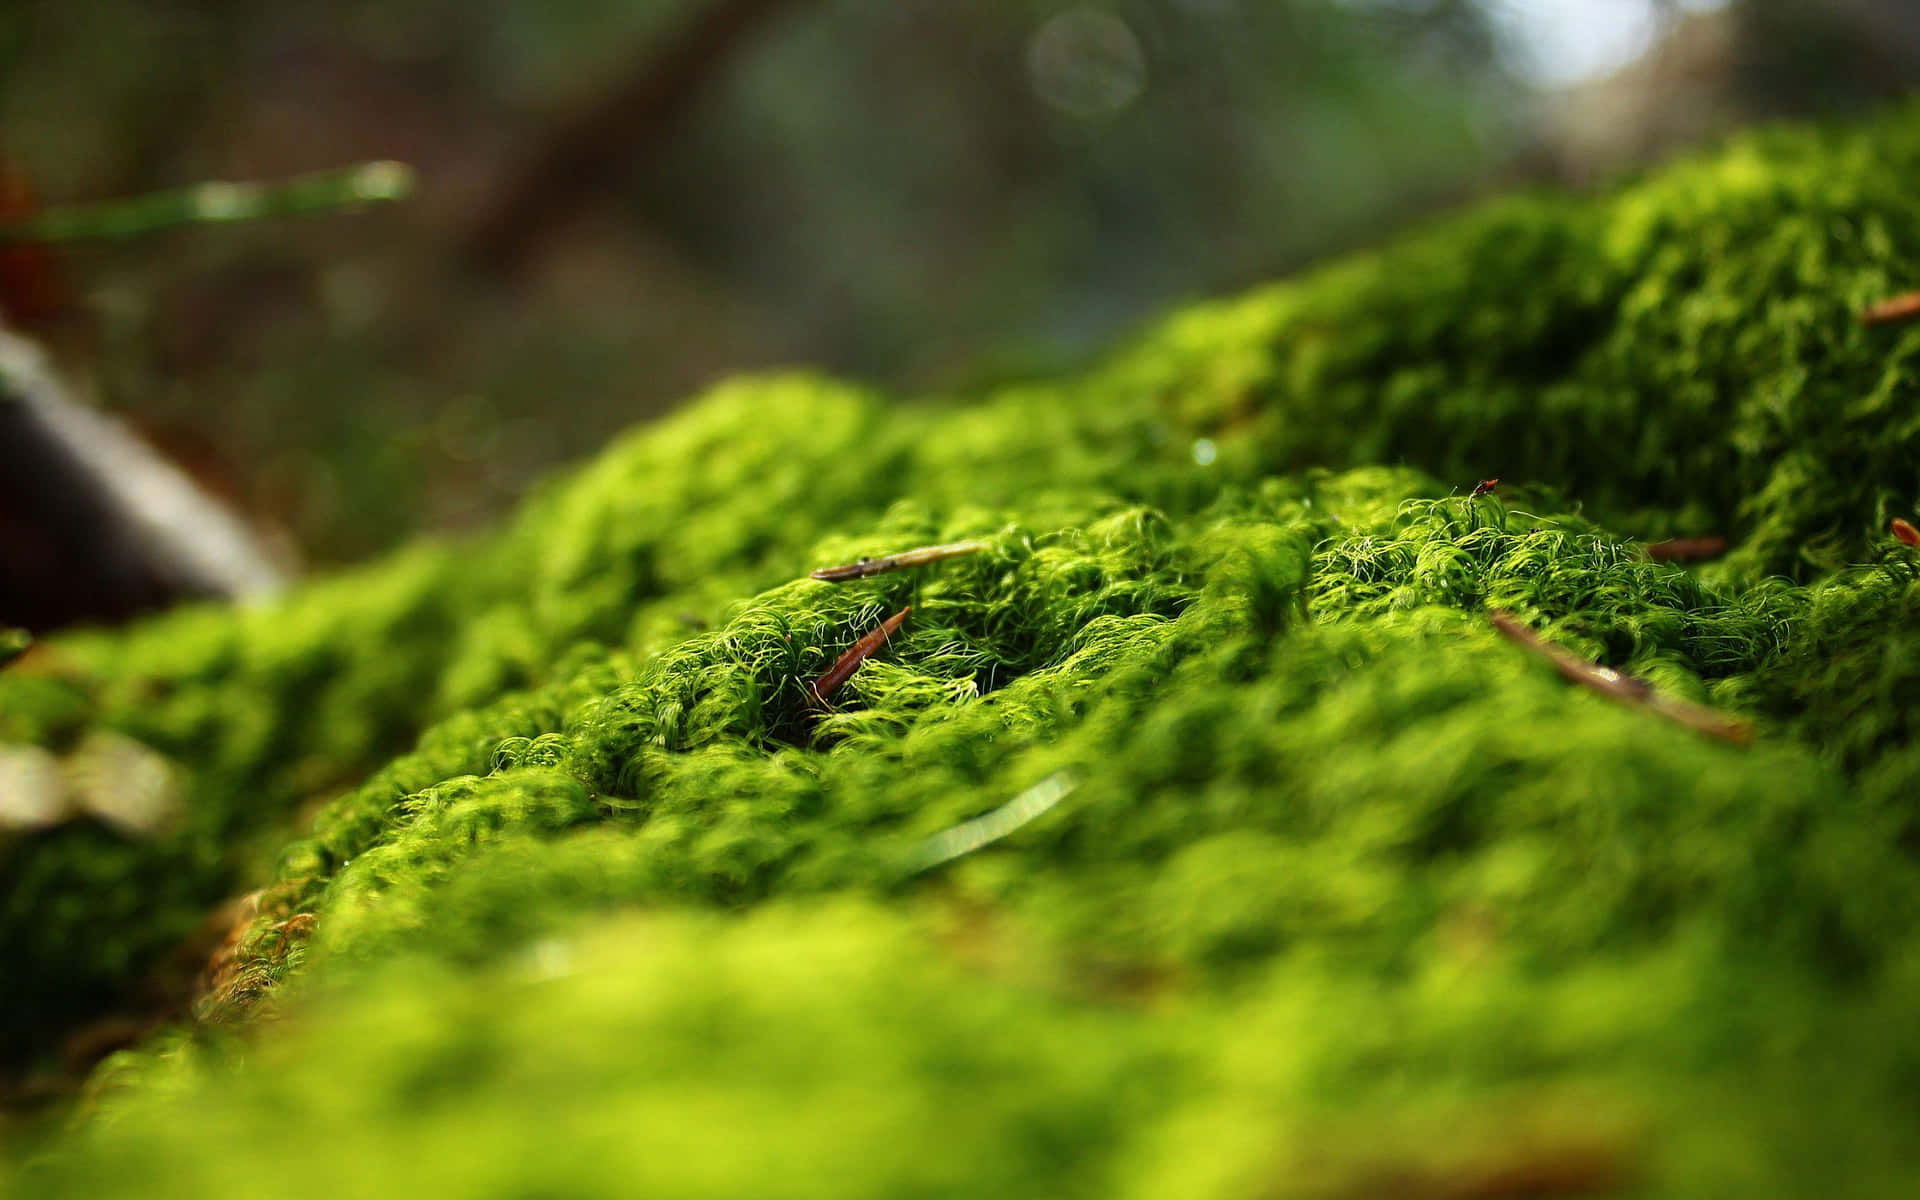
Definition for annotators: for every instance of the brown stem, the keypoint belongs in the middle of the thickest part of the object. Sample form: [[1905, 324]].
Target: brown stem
[[861, 650], [919, 557], [1895, 311], [1624, 688]]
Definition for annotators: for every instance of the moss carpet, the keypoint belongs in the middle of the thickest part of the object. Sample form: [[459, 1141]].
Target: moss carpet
[[569, 885]]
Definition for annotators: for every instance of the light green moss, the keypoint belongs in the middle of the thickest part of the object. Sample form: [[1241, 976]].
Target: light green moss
[[1341, 868]]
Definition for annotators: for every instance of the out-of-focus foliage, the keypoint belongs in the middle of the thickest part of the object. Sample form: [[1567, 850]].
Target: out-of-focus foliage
[[925, 194], [1342, 868], [894, 190]]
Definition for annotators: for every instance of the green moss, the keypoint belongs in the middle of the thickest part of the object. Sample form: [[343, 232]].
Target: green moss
[[1341, 867]]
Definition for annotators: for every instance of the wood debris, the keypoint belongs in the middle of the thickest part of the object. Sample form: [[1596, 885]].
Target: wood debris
[[920, 557], [858, 653], [1624, 688], [1895, 311]]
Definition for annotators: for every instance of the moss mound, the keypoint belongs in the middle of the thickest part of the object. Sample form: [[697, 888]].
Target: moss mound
[[570, 885]]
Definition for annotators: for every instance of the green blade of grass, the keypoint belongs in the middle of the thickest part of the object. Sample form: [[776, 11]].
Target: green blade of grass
[[216, 202]]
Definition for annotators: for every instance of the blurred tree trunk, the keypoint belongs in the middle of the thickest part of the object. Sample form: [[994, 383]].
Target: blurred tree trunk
[[1823, 57], [589, 147]]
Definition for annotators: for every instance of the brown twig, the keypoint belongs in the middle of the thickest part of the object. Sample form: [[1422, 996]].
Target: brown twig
[[1905, 531], [1624, 688], [1895, 311], [1686, 550], [590, 146], [893, 562], [858, 653]]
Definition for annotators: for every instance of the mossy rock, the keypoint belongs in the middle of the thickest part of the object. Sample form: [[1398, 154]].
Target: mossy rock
[[571, 885]]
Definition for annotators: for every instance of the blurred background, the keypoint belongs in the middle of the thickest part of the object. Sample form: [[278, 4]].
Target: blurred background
[[620, 201]]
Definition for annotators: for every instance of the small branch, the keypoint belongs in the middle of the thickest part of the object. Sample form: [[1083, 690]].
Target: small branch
[[215, 203], [969, 836], [920, 557], [1623, 688], [1687, 550], [1896, 311], [861, 650]]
